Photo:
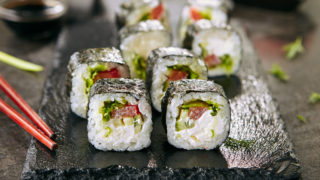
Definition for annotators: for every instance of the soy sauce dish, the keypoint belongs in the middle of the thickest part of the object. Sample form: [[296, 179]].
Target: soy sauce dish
[[33, 18]]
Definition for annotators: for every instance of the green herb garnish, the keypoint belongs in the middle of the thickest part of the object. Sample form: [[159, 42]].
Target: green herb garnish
[[235, 144], [301, 118], [139, 66], [108, 107], [93, 71], [19, 63], [294, 48], [212, 133], [314, 97], [277, 71]]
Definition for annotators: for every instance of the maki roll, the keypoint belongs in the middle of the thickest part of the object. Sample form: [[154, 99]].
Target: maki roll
[[219, 46], [89, 65], [196, 114], [135, 11], [138, 40], [197, 10], [119, 115], [171, 64]]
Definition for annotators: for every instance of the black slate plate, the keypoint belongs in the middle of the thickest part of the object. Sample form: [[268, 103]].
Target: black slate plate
[[254, 117]]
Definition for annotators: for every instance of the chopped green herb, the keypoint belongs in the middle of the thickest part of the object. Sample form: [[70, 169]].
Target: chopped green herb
[[302, 119], [235, 144], [277, 71], [93, 71], [19, 63], [226, 62], [139, 66], [145, 16], [108, 131], [191, 74], [294, 48], [206, 14], [212, 133], [108, 107], [214, 106], [314, 97]]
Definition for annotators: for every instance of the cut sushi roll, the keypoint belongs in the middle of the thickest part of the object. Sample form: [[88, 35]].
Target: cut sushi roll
[[201, 10], [119, 115], [220, 47], [196, 114], [138, 40], [89, 65], [171, 64], [136, 11]]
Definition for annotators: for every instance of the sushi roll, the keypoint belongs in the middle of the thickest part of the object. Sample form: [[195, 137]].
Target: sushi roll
[[171, 64], [196, 114], [119, 115], [135, 11], [219, 46], [86, 67], [201, 10], [138, 40]]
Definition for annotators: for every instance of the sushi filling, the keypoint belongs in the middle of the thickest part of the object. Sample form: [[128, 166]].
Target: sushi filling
[[155, 13], [99, 72], [212, 61], [191, 112], [197, 14], [117, 114], [139, 66], [178, 72]]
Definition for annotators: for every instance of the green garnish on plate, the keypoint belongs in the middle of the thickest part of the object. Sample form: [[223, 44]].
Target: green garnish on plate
[[302, 119], [277, 71], [293, 49], [19, 63], [314, 97]]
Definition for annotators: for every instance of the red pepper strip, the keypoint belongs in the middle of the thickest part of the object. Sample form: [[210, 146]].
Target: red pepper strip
[[157, 12], [17, 99], [112, 73], [28, 126], [195, 14]]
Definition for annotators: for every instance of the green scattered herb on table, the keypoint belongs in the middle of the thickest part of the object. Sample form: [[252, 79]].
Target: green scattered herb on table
[[277, 71], [314, 97], [293, 49], [302, 118], [19, 63]]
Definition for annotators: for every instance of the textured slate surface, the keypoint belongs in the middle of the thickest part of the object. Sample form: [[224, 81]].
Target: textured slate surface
[[255, 117]]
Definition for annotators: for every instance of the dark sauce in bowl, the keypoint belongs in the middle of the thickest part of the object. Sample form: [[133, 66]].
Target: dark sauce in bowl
[[35, 19]]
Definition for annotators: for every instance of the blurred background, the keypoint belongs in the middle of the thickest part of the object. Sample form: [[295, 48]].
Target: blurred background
[[270, 25]]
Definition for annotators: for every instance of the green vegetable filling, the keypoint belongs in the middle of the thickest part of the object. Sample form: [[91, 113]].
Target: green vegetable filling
[[108, 131], [277, 71], [93, 71], [302, 119], [145, 16], [108, 107], [139, 66], [235, 144], [183, 122], [293, 49], [206, 14]]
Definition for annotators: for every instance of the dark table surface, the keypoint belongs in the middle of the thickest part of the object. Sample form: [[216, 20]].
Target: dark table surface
[[268, 30]]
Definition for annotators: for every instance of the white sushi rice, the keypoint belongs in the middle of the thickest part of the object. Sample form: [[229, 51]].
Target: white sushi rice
[[78, 96], [200, 136], [142, 43], [160, 73], [121, 138], [219, 41]]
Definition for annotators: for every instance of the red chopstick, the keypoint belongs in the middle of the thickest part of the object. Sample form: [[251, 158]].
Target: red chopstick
[[25, 124], [17, 99]]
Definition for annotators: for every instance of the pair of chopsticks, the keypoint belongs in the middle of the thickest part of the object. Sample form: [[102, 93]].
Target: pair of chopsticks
[[43, 134]]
